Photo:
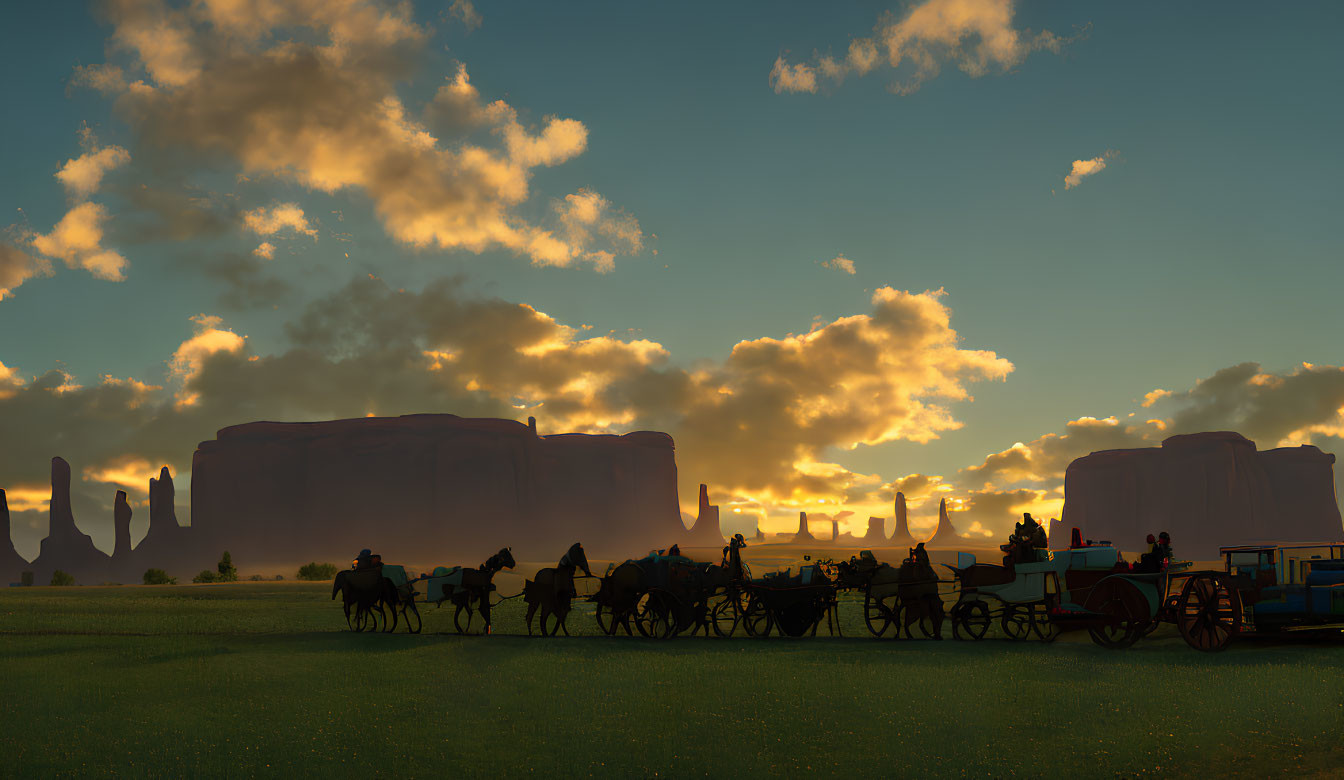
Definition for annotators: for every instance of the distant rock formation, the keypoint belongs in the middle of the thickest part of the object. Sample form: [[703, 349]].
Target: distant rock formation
[[944, 533], [900, 537], [1209, 490], [167, 545], [12, 565], [804, 534], [121, 527], [835, 531], [65, 547], [877, 533], [705, 532], [760, 535], [427, 489]]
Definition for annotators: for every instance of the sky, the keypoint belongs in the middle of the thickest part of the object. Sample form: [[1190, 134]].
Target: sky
[[942, 247]]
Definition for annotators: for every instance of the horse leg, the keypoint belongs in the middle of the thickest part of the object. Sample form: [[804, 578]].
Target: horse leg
[[485, 610], [532, 610]]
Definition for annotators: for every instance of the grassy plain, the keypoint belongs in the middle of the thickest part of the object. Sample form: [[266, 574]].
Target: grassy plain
[[261, 679]]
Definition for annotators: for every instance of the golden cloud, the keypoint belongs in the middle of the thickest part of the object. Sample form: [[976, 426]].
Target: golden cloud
[[322, 110], [976, 35]]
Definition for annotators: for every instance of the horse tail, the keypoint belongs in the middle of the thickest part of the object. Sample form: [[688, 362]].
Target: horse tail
[[336, 583]]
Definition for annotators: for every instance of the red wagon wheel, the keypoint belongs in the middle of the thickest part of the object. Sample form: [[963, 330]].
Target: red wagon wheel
[[1208, 613]]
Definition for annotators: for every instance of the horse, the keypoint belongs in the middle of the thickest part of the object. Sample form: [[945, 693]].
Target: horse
[[918, 589], [478, 582], [367, 590], [552, 590]]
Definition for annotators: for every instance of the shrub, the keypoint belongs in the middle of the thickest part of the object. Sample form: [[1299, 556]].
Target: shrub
[[158, 577], [59, 577], [280, 576], [26, 578], [227, 571], [256, 578], [317, 571], [206, 576]]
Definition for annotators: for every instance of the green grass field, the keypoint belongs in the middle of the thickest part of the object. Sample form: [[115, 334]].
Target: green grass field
[[262, 678]]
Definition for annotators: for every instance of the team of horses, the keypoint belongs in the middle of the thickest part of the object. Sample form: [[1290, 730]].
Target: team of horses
[[657, 596]]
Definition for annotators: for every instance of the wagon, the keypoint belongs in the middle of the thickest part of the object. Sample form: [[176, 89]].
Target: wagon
[[1262, 589], [792, 604], [1086, 586]]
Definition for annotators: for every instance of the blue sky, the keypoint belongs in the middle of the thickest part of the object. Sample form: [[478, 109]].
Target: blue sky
[[1210, 239]]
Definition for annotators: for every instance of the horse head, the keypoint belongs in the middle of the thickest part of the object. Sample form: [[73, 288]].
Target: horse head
[[505, 558], [576, 558]]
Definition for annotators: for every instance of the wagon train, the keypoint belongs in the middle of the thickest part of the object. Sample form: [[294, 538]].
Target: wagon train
[[1035, 593]]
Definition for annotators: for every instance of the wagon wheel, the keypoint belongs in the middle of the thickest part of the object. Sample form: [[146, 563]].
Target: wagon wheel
[[462, 627], [1046, 630], [1016, 622], [971, 617], [1208, 613], [878, 616], [1117, 601], [653, 616], [757, 618], [411, 614], [726, 615]]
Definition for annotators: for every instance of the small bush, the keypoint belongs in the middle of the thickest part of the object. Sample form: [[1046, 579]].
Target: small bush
[[281, 577], [227, 571], [158, 577], [256, 578], [206, 576], [26, 578], [315, 572], [60, 578]]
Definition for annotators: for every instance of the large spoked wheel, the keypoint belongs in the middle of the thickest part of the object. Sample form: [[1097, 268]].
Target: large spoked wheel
[[411, 614], [726, 616], [757, 619], [653, 616], [880, 613], [1117, 602], [1208, 613], [1016, 622], [970, 620], [1046, 630]]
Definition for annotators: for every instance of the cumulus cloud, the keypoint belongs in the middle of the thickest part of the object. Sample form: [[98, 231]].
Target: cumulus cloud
[[798, 77], [465, 12], [229, 82], [841, 263], [84, 174], [17, 266], [268, 222], [1084, 168], [977, 36], [265, 250], [78, 240]]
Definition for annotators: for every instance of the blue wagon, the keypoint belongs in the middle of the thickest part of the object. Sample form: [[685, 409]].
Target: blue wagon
[[1263, 589]]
